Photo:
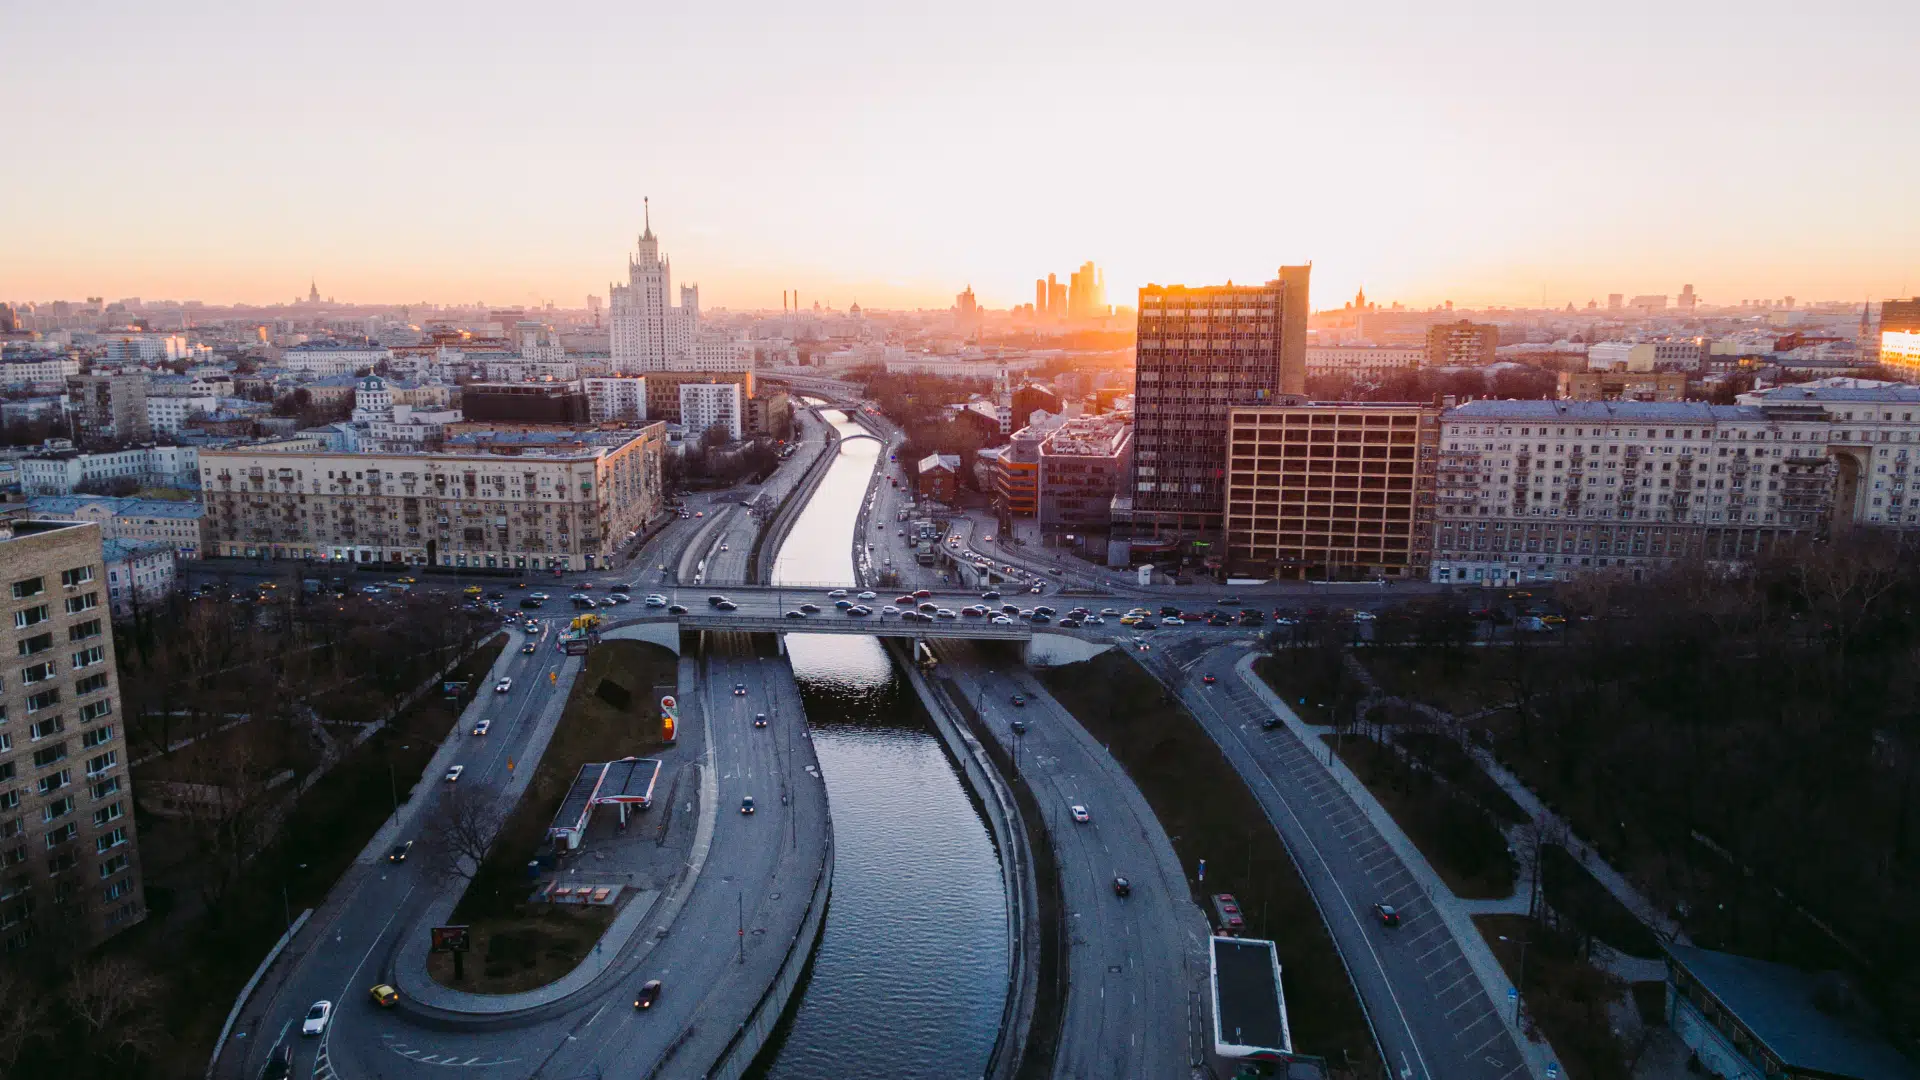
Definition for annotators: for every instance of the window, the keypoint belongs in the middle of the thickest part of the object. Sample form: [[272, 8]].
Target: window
[[107, 841], [119, 888], [37, 673], [91, 739], [36, 644], [83, 631], [53, 782], [47, 756], [52, 725], [9, 799], [57, 809], [94, 710], [32, 616], [100, 764], [26, 587], [45, 699], [7, 770], [56, 837], [89, 657], [79, 575], [78, 604], [61, 862], [108, 814], [90, 684], [109, 786], [114, 865]]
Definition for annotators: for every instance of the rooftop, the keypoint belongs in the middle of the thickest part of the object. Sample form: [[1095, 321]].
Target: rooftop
[[1248, 1004], [1780, 1006], [1696, 412]]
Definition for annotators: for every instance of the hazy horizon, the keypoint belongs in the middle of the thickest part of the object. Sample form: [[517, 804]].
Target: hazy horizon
[[458, 153]]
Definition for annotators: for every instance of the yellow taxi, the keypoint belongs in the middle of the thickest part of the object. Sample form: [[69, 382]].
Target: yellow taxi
[[471, 590], [406, 581], [384, 996]]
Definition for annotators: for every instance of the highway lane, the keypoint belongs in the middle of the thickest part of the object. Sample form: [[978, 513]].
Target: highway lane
[[1136, 965], [1430, 1012], [377, 900]]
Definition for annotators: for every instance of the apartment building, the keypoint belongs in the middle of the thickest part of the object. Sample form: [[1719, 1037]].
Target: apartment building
[[69, 864], [334, 358], [663, 389], [1462, 344], [1328, 491], [1546, 490], [505, 500], [62, 469], [1362, 361], [1623, 385], [110, 406], [705, 406], [1900, 338], [175, 523], [1200, 352], [621, 398], [1873, 441]]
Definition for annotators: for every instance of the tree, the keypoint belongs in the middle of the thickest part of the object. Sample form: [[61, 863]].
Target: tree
[[463, 828], [716, 436], [112, 1001], [23, 1012]]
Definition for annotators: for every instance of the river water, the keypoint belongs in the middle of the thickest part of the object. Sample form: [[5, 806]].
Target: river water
[[911, 973]]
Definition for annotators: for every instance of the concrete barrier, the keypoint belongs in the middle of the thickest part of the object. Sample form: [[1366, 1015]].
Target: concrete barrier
[[752, 1036], [246, 991]]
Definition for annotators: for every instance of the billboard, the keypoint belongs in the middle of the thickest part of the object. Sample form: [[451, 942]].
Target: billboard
[[451, 939]]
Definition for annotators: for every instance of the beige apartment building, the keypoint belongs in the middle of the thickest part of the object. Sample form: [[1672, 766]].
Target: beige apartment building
[[1330, 491], [521, 500], [69, 868]]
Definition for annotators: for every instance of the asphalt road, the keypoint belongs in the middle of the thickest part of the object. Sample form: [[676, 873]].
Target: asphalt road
[[1136, 965], [1431, 1014]]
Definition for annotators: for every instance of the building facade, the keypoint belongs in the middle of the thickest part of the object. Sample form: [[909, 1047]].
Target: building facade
[[63, 471], [1082, 464], [333, 358], [1462, 344], [617, 398], [1200, 352], [1623, 386], [937, 477], [1900, 338], [1548, 490], [705, 406], [69, 863], [110, 406], [1362, 361], [1331, 491], [503, 501], [172, 522], [663, 390], [140, 575]]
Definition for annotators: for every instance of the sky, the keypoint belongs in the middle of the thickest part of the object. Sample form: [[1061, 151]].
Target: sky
[[893, 154]]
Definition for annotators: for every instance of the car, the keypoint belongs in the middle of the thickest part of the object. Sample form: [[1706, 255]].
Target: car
[[843, 604], [383, 995], [1121, 886], [928, 607], [649, 993], [482, 727], [1229, 601], [1387, 915], [1039, 618], [727, 605], [317, 1017], [923, 594], [1109, 611], [496, 596], [716, 601], [869, 595], [368, 590], [471, 590], [746, 805], [279, 1063], [529, 648], [889, 609], [399, 852], [1173, 620], [656, 600], [1018, 700], [504, 685], [990, 594], [838, 594], [759, 719], [723, 547], [796, 614], [453, 773], [1366, 616], [621, 598], [1042, 609], [1269, 723], [1169, 609], [1208, 679], [1002, 620], [859, 611], [405, 581], [530, 626], [1080, 815], [945, 613], [739, 689], [676, 609], [1132, 620], [810, 609], [538, 596], [1070, 623]]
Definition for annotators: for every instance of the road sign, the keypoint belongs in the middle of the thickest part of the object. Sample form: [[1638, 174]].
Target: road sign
[[1553, 1070], [1203, 869], [451, 939], [1512, 994]]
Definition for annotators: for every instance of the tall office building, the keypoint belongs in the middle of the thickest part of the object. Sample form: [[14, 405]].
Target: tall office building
[[69, 869], [1200, 352], [1040, 297], [1086, 293], [638, 311], [1056, 298]]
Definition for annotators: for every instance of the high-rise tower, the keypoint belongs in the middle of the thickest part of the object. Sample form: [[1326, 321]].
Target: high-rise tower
[[637, 312]]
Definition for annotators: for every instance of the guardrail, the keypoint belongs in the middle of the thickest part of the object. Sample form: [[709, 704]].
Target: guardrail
[[871, 627]]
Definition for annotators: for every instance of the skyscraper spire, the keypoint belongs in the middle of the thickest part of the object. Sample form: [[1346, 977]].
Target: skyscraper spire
[[647, 208]]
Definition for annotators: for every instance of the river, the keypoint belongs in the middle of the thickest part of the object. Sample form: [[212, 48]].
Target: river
[[911, 973]]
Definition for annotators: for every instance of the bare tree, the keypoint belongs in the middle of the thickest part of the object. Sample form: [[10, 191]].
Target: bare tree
[[112, 1000], [461, 830], [23, 1011]]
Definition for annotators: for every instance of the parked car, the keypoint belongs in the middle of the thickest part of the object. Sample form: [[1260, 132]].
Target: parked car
[[1387, 915]]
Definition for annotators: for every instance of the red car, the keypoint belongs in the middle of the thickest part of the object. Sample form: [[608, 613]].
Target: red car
[[1208, 679]]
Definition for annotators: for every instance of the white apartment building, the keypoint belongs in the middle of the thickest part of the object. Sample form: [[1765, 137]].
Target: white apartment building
[[38, 369], [140, 573], [508, 368], [616, 398], [165, 415], [704, 405], [1873, 440], [333, 358], [1547, 490], [1363, 361], [1645, 355], [59, 472], [143, 348], [518, 501]]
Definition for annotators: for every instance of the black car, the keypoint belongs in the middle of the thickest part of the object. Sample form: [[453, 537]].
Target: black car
[[496, 596], [760, 719], [990, 594], [810, 609], [279, 1064], [398, 853], [1019, 727], [1387, 915], [1018, 699], [649, 993], [1169, 609], [727, 605], [716, 601], [676, 609], [796, 614], [1227, 601], [1121, 886]]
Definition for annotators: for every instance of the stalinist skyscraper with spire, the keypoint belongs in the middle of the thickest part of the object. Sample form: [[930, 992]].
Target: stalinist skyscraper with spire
[[647, 332]]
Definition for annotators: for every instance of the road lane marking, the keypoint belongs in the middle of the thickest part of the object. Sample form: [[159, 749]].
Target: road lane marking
[[1443, 991]]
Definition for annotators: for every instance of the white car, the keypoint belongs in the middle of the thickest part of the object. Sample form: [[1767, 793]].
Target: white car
[[505, 684], [656, 600], [1002, 620], [889, 610], [482, 727], [1173, 620], [1363, 616], [837, 594], [453, 774], [317, 1017], [867, 596], [1080, 815]]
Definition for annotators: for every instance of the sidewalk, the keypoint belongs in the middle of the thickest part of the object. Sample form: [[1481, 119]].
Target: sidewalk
[[1457, 914]]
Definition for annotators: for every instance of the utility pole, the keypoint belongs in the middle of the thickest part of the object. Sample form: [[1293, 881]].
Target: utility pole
[[742, 899]]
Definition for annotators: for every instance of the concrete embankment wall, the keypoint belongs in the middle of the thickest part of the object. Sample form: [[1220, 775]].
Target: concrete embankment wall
[[752, 1036], [774, 532], [1017, 863]]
